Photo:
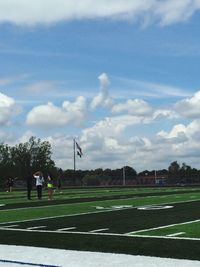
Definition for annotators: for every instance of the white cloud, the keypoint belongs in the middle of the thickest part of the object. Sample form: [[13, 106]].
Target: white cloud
[[189, 107], [50, 11], [7, 109], [160, 114], [175, 11], [111, 126], [135, 107], [40, 87], [102, 99], [105, 145], [50, 115], [12, 79], [132, 87]]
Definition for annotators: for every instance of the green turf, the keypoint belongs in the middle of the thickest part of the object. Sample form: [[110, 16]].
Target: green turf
[[189, 230], [66, 209], [186, 202]]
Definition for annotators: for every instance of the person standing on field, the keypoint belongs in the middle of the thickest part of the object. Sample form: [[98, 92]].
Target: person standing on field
[[50, 186], [10, 183], [29, 180], [39, 183]]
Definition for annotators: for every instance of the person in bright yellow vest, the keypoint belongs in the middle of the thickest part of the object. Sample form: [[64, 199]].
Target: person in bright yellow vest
[[50, 186]]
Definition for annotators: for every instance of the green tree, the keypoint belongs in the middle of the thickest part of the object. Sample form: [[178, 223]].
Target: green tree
[[32, 156], [6, 164], [174, 173]]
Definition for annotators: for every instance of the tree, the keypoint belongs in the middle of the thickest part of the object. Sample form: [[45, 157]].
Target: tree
[[32, 156], [130, 172], [174, 173], [6, 164]]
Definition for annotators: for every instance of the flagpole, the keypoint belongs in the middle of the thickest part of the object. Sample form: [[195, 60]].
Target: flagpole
[[74, 156]]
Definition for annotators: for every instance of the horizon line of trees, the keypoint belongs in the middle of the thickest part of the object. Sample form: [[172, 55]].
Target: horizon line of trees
[[28, 157]]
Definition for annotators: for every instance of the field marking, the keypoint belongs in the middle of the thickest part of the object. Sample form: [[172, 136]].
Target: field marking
[[27, 263], [15, 225], [176, 234], [98, 230], [66, 229], [161, 227], [102, 234], [37, 227], [167, 237], [60, 232]]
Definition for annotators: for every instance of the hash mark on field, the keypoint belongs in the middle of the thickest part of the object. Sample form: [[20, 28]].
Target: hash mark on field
[[66, 229], [36, 227], [98, 230], [8, 226], [176, 234]]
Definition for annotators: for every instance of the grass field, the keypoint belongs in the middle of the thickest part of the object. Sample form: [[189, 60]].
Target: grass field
[[163, 222]]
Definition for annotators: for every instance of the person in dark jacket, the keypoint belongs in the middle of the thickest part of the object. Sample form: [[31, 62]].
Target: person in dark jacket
[[10, 183], [29, 180]]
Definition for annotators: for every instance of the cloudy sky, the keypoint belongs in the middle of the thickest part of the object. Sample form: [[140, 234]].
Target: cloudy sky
[[120, 76]]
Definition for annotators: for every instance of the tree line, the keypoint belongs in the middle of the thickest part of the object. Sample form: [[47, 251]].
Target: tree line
[[26, 158]]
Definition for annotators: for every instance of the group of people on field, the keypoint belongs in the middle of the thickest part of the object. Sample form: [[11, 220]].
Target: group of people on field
[[39, 182]]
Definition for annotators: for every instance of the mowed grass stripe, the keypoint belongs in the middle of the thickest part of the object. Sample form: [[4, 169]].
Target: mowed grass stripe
[[67, 197], [68, 209], [121, 221]]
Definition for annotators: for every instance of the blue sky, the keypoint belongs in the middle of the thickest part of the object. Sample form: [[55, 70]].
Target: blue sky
[[122, 77]]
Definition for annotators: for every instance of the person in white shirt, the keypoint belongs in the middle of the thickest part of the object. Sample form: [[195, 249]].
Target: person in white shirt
[[39, 183]]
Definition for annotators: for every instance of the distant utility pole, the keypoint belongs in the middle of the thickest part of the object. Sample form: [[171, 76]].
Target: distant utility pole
[[155, 176], [124, 177]]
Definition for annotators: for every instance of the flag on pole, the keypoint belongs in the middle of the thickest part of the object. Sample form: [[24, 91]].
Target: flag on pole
[[79, 150]]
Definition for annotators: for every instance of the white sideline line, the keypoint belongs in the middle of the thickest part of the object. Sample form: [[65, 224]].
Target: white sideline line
[[98, 230], [66, 229], [102, 234], [166, 237], [60, 232], [161, 227], [176, 234], [36, 227]]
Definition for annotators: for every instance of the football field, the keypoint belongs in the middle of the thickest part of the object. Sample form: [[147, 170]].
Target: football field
[[161, 222]]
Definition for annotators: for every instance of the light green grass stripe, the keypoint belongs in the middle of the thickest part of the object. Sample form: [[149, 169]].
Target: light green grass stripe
[[78, 208]]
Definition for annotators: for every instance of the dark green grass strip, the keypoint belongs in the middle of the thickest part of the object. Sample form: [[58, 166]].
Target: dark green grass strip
[[182, 249], [123, 221], [90, 199]]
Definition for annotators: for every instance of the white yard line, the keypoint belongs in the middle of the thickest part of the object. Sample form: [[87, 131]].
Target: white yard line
[[99, 230], [36, 227], [15, 225], [176, 234], [66, 229]]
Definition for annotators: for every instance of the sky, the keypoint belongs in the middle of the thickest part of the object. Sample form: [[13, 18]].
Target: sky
[[119, 76]]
